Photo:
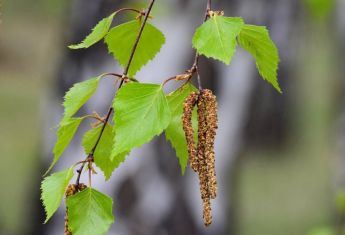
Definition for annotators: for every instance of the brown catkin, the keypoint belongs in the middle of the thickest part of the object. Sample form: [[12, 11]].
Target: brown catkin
[[207, 211], [202, 169], [71, 190], [202, 128], [188, 106], [205, 196], [212, 125], [202, 158]]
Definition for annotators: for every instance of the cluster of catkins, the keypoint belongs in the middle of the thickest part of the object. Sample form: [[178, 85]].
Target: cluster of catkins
[[71, 190], [202, 156]]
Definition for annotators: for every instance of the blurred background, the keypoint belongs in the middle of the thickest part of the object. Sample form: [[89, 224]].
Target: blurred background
[[280, 158]]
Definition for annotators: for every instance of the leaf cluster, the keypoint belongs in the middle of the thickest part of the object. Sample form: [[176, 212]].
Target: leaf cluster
[[141, 111]]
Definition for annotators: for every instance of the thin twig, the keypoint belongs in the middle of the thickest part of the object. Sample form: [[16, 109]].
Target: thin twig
[[194, 69], [196, 58], [80, 170], [90, 172], [90, 156], [147, 13], [123, 76], [93, 117], [103, 127], [80, 162], [168, 80], [113, 74], [198, 79]]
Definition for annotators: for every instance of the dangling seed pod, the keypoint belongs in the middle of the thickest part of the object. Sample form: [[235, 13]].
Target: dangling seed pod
[[202, 157], [188, 106], [70, 191]]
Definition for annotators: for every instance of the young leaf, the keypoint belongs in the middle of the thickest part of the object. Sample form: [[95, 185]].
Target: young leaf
[[174, 132], [256, 40], [98, 32], [216, 38], [102, 155], [89, 212], [141, 112], [78, 95], [53, 188], [121, 39], [65, 134]]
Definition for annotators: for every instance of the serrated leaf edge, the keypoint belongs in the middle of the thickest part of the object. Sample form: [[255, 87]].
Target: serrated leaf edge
[[81, 45], [41, 187]]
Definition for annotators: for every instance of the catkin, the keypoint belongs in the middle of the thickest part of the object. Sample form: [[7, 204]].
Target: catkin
[[202, 160], [71, 190], [188, 106], [202, 157], [212, 125], [205, 195], [202, 128], [207, 211]]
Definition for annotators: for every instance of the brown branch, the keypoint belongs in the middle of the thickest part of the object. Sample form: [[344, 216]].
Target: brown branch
[[124, 75]]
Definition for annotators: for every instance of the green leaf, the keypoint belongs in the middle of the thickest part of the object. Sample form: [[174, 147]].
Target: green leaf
[[141, 112], [256, 40], [102, 155], [174, 132], [89, 212], [78, 95], [53, 189], [65, 134], [120, 41], [216, 38], [98, 32]]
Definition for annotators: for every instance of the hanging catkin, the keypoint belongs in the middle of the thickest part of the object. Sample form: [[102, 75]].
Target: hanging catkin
[[207, 211], [202, 157], [203, 168], [71, 190], [212, 125], [188, 106]]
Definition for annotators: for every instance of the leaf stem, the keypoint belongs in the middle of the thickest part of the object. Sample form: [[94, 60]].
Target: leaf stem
[[113, 74], [129, 9]]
